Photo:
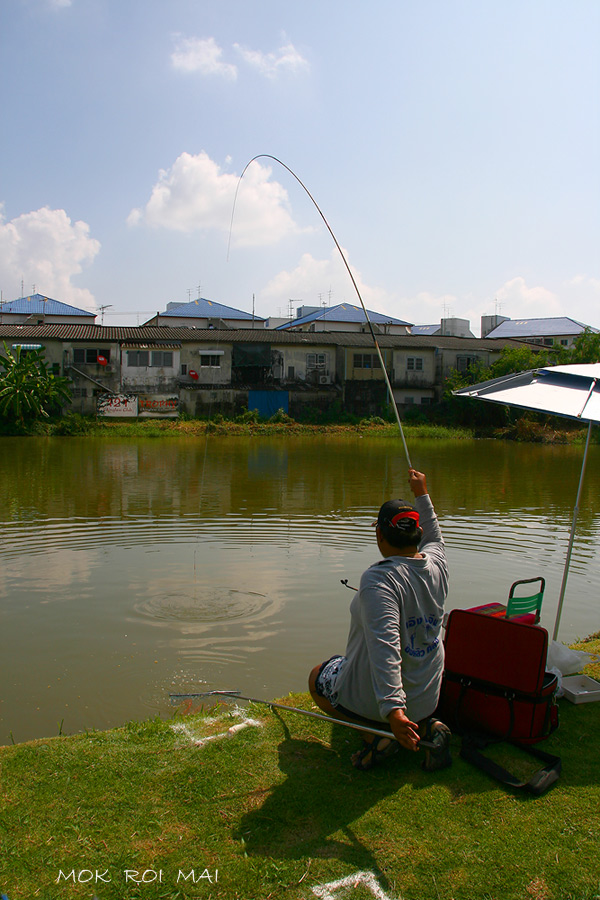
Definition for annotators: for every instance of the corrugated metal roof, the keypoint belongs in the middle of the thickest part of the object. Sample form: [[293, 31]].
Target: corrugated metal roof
[[146, 345], [159, 334], [522, 328], [343, 312], [37, 304], [203, 309]]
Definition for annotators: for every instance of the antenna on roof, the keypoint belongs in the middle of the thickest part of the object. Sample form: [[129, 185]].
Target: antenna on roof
[[199, 289], [101, 310]]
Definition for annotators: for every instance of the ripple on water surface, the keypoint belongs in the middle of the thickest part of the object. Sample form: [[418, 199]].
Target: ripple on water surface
[[207, 604]]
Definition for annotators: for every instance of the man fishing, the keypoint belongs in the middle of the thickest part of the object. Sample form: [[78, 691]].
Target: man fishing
[[392, 669]]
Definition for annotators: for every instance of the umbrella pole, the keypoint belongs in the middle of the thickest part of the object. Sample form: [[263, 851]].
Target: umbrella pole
[[571, 537]]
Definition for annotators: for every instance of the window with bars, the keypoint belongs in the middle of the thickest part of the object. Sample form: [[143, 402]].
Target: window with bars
[[464, 363], [162, 358], [366, 361], [89, 355], [209, 359], [316, 360], [138, 358], [414, 364]]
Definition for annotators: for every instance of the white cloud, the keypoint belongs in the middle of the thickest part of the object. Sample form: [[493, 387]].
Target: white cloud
[[205, 56], [201, 55], [47, 249], [517, 299], [429, 309], [316, 281], [592, 285], [194, 194], [286, 59]]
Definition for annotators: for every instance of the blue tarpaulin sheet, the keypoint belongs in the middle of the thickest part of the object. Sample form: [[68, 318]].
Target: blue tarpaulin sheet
[[268, 402]]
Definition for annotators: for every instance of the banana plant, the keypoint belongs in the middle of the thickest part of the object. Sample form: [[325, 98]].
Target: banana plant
[[28, 388]]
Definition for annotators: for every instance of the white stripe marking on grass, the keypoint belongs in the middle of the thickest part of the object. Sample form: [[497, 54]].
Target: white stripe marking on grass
[[367, 879], [198, 741]]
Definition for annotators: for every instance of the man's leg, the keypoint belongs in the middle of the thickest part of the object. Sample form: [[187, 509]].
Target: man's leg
[[375, 748]]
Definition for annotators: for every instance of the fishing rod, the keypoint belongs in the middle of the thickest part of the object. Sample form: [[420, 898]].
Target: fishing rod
[[353, 280], [236, 695]]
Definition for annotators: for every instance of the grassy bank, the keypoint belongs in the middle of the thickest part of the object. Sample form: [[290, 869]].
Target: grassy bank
[[275, 810], [150, 428], [522, 430]]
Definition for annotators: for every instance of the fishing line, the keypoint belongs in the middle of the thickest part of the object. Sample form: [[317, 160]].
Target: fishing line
[[353, 280]]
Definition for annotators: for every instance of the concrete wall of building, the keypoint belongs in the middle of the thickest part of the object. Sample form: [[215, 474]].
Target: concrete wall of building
[[308, 364], [211, 362], [352, 327], [7, 318], [158, 379], [363, 364], [206, 322], [556, 340], [414, 368]]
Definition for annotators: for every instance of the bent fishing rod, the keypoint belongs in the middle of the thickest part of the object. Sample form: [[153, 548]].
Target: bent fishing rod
[[352, 279], [236, 695]]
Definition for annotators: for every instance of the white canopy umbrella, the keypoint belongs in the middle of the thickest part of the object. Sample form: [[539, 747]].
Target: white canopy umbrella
[[569, 391]]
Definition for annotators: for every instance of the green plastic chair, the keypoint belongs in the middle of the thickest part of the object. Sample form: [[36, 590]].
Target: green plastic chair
[[526, 608]]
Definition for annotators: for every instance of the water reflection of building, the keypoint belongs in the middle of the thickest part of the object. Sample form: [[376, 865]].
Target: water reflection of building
[[202, 371]]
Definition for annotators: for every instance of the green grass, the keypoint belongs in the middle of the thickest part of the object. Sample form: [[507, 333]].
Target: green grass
[[196, 427], [278, 810]]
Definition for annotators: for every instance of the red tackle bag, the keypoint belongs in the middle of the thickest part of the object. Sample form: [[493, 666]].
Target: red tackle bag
[[495, 678], [496, 688]]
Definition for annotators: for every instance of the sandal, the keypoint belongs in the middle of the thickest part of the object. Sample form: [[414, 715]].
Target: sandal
[[371, 754], [439, 757]]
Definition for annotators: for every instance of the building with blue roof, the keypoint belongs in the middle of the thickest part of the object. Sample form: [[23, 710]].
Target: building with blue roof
[[202, 313], [425, 329], [549, 331], [40, 310], [449, 327], [343, 317]]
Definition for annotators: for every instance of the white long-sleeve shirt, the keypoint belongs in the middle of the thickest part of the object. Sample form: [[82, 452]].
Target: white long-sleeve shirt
[[395, 657]]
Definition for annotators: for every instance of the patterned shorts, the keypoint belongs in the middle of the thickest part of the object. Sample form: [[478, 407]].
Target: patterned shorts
[[327, 677]]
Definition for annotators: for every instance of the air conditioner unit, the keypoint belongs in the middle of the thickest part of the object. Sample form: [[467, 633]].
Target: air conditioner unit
[[324, 379], [109, 368]]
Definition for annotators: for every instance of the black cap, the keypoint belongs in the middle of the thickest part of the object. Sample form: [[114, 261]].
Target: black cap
[[398, 514]]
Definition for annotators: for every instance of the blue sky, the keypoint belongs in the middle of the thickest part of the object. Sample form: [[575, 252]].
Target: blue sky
[[453, 147]]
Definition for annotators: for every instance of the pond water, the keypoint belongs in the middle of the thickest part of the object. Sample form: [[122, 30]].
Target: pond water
[[130, 569]]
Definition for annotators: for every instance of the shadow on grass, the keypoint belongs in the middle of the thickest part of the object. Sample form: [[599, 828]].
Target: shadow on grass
[[314, 813]]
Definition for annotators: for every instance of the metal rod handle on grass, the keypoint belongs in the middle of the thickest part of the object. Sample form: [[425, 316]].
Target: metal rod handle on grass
[[235, 695]]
